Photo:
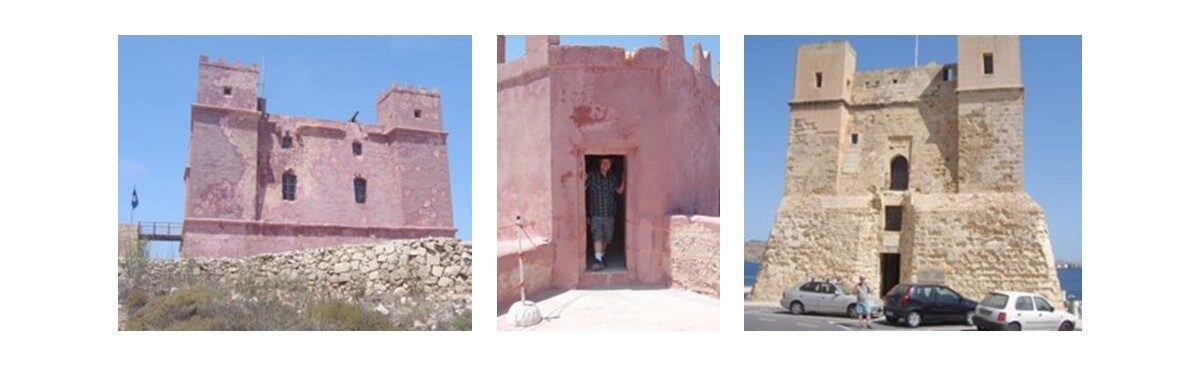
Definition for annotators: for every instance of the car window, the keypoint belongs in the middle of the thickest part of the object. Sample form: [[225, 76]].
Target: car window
[[996, 301], [825, 288], [897, 290], [923, 292], [1024, 303], [809, 287], [945, 294], [1042, 304]]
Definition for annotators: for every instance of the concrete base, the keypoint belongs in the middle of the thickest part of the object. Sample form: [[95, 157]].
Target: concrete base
[[638, 308]]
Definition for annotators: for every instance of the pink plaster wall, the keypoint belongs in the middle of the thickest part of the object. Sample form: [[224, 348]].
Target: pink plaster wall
[[651, 106], [539, 269], [234, 204]]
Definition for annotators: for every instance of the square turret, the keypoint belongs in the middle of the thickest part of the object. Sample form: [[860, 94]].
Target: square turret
[[824, 72], [226, 85], [410, 107], [989, 62]]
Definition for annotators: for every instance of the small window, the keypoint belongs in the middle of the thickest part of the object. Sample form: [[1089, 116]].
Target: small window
[[417, 113], [286, 142], [987, 63], [819, 79], [360, 190], [899, 174], [809, 287], [854, 138], [356, 147], [228, 91], [1024, 303], [289, 186], [892, 216], [948, 74]]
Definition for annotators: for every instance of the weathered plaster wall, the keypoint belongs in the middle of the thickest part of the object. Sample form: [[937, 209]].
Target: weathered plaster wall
[[695, 247], [539, 270], [649, 105]]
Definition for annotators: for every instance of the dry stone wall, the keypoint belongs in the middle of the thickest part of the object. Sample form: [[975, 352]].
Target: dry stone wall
[[433, 272]]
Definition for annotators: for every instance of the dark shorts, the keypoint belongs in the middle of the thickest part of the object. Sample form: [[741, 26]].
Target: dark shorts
[[602, 229]]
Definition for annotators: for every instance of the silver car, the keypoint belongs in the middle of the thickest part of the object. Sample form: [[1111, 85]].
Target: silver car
[[824, 297]]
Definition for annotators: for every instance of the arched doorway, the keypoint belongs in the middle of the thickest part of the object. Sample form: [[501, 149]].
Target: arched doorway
[[899, 173]]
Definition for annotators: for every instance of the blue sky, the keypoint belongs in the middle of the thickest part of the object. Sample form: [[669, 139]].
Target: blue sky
[[327, 77], [1051, 69], [514, 46]]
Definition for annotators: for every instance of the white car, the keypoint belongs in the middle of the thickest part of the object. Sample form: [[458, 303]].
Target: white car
[[824, 297], [1008, 310]]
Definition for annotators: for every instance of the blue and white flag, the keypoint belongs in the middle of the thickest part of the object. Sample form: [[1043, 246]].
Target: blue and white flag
[[134, 201]]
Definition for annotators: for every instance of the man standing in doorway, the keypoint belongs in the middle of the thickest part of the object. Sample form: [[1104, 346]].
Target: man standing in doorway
[[603, 186]]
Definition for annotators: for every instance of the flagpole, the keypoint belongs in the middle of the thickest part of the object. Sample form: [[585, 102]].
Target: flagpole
[[916, 49]]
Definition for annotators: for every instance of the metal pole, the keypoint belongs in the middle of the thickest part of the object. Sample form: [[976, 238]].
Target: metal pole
[[916, 50], [520, 262]]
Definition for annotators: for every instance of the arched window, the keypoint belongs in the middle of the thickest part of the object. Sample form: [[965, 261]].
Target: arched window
[[899, 173], [356, 148], [286, 141], [289, 186], [360, 190]]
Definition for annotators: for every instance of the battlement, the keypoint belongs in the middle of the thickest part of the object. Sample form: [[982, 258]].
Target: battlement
[[228, 85], [235, 65], [545, 53], [419, 90], [410, 106]]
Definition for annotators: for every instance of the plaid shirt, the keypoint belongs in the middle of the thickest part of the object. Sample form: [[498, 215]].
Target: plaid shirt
[[602, 193]]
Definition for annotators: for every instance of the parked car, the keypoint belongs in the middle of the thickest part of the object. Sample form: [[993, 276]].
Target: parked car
[[824, 297], [1007, 310], [918, 304]]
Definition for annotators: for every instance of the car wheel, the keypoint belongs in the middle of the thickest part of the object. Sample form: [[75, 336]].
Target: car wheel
[[1066, 326], [1016, 327], [970, 319], [892, 319], [796, 308], [852, 311], [913, 319]]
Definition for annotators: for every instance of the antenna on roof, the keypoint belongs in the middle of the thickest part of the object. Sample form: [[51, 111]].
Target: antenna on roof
[[916, 49], [354, 118]]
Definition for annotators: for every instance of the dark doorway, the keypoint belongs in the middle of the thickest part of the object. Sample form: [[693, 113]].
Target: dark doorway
[[899, 173], [614, 254], [889, 270]]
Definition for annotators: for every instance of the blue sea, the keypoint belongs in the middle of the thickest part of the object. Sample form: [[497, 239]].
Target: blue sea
[[1070, 278]]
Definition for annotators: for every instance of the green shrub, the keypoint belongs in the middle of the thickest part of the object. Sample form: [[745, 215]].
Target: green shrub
[[341, 315], [162, 312]]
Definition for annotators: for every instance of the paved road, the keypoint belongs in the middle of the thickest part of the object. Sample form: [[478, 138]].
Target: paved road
[[767, 317]]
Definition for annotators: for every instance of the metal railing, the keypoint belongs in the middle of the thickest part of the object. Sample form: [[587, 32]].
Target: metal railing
[[160, 230]]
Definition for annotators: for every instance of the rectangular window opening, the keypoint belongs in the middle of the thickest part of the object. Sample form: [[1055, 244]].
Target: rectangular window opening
[[948, 74], [360, 190], [987, 64], [854, 138], [820, 79], [892, 218], [228, 91], [417, 113], [289, 187]]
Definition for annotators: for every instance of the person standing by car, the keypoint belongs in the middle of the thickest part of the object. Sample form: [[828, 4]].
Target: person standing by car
[[864, 303]]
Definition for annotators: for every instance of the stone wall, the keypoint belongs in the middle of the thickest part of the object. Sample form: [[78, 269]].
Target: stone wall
[[821, 237], [976, 243], [695, 259], [127, 239], [432, 271]]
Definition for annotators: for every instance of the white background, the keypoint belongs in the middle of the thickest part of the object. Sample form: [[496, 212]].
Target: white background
[[58, 139]]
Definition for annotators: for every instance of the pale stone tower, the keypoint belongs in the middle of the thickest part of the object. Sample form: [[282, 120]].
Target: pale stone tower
[[909, 175]]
